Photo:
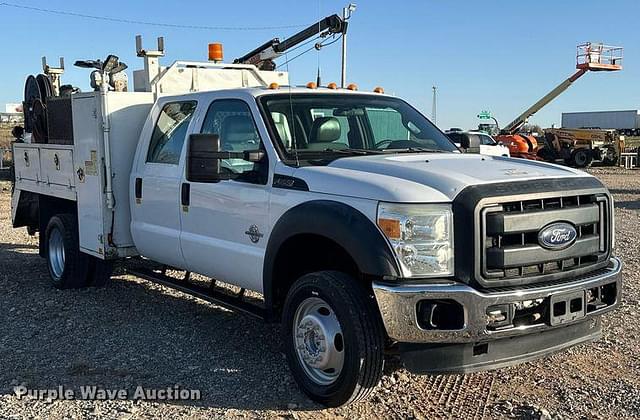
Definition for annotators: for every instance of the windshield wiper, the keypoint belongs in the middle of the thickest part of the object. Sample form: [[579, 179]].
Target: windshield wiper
[[416, 150], [351, 151]]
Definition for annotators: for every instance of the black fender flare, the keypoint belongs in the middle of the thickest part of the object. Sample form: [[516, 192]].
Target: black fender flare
[[342, 224]]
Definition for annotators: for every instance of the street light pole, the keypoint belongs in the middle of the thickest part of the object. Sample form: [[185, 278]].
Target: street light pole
[[434, 106], [346, 14]]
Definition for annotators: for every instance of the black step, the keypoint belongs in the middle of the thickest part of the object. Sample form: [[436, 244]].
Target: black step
[[205, 293]]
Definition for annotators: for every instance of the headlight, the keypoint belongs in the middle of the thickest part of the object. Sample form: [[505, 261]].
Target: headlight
[[421, 236]]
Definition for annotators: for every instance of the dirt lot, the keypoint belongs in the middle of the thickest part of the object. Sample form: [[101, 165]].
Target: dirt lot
[[137, 333]]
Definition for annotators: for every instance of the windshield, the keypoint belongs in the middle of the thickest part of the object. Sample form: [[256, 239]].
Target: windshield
[[327, 124]]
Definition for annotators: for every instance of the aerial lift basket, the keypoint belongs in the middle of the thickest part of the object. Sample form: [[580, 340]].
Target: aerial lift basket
[[598, 57]]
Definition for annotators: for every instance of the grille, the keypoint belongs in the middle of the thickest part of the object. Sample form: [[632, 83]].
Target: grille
[[510, 251]]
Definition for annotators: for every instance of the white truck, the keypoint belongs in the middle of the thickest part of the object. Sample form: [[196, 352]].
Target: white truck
[[363, 229]]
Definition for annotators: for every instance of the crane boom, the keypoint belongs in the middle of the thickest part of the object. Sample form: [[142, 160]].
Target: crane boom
[[263, 56], [514, 126]]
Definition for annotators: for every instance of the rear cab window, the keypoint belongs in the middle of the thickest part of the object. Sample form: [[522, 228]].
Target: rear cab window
[[170, 131]]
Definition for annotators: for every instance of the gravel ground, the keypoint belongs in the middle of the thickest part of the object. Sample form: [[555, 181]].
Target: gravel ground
[[135, 333]]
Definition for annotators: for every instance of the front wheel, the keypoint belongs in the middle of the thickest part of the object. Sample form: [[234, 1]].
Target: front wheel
[[333, 338]]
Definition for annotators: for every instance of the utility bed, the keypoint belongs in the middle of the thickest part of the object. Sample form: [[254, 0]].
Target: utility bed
[[77, 171]]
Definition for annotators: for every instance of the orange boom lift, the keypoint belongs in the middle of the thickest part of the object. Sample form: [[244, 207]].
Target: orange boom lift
[[589, 57]]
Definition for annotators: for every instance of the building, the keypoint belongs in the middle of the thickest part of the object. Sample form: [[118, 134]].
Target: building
[[12, 114]]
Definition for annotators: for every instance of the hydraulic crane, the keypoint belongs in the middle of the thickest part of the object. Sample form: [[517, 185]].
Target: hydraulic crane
[[263, 56], [589, 57]]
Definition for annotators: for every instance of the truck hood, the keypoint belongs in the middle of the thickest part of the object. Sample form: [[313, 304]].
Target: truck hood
[[424, 177]]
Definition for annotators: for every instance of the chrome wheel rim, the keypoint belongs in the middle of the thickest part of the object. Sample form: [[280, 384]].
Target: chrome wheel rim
[[56, 253], [318, 340]]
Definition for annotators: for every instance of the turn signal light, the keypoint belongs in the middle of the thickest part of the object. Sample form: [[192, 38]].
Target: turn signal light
[[274, 85], [215, 52], [311, 85], [390, 227], [352, 86], [332, 85], [378, 89]]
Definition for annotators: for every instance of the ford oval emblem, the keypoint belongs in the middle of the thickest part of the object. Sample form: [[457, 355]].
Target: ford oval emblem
[[557, 236]]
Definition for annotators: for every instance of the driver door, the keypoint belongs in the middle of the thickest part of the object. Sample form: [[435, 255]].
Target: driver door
[[224, 223]]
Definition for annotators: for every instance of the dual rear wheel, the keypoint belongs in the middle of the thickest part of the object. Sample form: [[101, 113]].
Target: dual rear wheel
[[70, 268]]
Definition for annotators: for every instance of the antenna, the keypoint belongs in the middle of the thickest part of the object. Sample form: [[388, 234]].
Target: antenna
[[434, 105]]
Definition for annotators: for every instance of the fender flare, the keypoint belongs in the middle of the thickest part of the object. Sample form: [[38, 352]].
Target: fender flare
[[340, 223]]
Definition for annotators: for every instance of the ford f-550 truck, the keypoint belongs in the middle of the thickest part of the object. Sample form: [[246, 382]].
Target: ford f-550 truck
[[363, 229]]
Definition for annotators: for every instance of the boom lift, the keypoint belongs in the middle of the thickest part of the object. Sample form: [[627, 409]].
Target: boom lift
[[263, 56], [589, 57]]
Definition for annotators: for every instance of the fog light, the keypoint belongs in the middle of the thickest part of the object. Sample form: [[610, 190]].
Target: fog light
[[445, 314]]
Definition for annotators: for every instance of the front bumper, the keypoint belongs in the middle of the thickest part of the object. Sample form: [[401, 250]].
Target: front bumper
[[398, 306], [503, 352]]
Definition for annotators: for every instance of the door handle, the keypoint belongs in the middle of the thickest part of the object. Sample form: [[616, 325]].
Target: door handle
[[138, 189], [185, 196]]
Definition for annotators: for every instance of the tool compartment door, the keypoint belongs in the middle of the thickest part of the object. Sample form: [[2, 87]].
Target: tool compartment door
[[57, 166], [89, 165], [26, 158]]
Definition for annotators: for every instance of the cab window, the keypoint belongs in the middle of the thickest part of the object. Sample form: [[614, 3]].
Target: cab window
[[232, 121], [486, 140], [170, 131]]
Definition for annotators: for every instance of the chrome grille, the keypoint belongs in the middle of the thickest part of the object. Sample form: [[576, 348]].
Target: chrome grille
[[510, 252]]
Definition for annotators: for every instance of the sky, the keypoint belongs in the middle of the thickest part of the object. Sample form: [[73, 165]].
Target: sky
[[494, 55]]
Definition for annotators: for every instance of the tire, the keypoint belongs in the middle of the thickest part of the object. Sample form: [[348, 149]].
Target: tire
[[611, 157], [68, 267], [99, 272], [581, 158], [330, 297], [547, 155]]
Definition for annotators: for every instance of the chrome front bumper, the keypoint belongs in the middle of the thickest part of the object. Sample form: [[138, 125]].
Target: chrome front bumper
[[398, 307]]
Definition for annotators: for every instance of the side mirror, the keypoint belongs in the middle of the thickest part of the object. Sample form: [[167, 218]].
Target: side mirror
[[204, 156], [203, 164]]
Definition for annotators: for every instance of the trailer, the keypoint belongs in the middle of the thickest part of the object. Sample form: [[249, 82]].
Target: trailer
[[626, 122]]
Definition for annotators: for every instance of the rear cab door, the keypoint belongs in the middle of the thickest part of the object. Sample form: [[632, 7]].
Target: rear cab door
[[155, 180]]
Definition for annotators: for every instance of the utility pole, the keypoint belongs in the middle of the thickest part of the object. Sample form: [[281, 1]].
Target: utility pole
[[346, 14], [434, 105]]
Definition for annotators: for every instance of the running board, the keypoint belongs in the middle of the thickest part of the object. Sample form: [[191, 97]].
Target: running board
[[209, 294]]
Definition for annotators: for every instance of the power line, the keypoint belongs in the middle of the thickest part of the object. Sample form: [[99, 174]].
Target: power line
[[140, 22]]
